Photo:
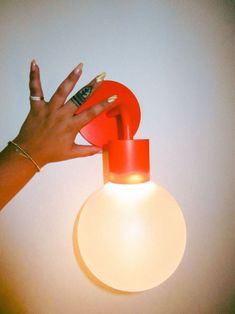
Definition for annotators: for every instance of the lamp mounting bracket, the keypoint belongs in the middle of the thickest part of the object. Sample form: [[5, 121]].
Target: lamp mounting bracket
[[121, 121]]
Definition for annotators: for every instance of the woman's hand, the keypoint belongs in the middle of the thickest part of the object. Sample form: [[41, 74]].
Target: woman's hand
[[50, 129]]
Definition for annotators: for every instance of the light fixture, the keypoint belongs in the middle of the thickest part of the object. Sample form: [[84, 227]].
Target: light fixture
[[131, 232]]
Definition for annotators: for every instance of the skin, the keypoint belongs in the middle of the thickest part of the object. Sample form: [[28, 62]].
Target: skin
[[93, 85], [47, 135]]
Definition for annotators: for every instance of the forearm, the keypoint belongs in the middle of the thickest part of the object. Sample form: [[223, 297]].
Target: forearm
[[15, 172]]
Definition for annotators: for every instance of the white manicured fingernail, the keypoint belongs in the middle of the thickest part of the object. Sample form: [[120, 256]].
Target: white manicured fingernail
[[112, 99], [100, 77], [78, 68], [33, 65]]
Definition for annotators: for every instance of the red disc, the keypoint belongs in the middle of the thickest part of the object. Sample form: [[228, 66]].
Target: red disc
[[104, 128]]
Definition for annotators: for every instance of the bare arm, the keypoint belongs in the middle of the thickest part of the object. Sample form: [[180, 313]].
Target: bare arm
[[47, 134]]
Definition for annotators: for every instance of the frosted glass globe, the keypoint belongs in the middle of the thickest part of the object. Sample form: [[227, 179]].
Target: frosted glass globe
[[131, 237]]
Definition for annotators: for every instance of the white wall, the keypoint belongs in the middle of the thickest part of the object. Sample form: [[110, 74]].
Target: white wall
[[178, 58]]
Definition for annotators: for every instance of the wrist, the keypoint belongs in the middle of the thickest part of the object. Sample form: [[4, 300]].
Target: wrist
[[23, 153], [13, 161], [32, 149]]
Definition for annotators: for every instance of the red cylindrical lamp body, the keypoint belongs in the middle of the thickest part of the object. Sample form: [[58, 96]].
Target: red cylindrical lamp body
[[128, 161]]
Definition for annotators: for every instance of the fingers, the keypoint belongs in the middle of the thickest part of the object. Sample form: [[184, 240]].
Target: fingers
[[92, 112], [84, 93], [66, 87], [83, 151], [35, 83]]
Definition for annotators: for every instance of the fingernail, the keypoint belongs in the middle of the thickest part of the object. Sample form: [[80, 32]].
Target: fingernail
[[100, 77], [78, 68], [112, 99], [33, 65]]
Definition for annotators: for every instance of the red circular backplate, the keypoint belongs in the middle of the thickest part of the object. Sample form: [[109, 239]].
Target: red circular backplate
[[103, 129]]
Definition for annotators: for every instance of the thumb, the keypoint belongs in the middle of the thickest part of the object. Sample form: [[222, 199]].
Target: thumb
[[84, 150]]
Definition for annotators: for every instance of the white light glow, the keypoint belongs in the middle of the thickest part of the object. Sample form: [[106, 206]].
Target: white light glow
[[131, 237]]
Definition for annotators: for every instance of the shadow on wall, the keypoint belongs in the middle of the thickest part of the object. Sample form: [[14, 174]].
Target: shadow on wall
[[9, 300]]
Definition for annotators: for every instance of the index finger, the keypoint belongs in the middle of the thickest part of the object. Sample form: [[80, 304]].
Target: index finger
[[84, 93], [84, 117]]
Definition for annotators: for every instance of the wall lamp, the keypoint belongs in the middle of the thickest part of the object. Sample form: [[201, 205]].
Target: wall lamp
[[131, 232]]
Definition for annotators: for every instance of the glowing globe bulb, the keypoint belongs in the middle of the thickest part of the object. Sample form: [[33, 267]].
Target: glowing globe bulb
[[132, 236]]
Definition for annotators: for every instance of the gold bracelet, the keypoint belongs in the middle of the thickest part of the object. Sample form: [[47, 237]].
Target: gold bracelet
[[25, 154]]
